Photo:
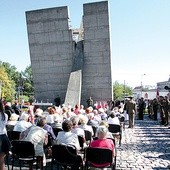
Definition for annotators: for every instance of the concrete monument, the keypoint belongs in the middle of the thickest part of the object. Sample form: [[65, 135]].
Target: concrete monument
[[72, 69]]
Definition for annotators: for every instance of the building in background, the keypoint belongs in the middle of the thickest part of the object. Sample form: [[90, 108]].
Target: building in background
[[150, 92]]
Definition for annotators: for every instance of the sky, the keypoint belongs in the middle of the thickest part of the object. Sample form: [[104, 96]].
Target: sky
[[140, 36]]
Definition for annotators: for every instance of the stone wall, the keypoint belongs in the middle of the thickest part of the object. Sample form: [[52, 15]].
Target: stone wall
[[51, 51], [97, 80]]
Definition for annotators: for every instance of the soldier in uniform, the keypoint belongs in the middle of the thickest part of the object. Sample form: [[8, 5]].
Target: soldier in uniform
[[131, 110]]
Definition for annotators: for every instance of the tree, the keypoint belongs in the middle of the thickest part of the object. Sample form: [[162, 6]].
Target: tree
[[8, 85], [12, 72], [120, 91], [28, 81]]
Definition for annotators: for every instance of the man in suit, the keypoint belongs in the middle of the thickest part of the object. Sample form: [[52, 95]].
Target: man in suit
[[131, 110]]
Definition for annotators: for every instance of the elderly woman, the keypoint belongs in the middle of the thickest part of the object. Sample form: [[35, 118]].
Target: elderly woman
[[102, 141], [78, 131], [109, 134], [83, 124], [50, 115], [66, 136], [39, 137], [23, 123]]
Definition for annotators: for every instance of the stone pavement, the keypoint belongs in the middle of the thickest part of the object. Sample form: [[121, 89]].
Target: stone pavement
[[145, 147]]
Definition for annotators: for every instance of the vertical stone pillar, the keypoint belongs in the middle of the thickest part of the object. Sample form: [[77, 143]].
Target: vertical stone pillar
[[51, 51], [97, 79]]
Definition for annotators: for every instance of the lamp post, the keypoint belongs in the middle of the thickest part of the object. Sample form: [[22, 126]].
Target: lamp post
[[141, 83]]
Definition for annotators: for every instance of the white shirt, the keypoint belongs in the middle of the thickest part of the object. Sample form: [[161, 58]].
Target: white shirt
[[37, 136], [78, 131], [114, 121], [3, 124], [68, 138], [50, 118], [22, 125], [87, 127]]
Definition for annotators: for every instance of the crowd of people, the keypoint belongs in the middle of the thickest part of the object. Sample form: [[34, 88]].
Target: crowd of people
[[37, 125], [159, 108]]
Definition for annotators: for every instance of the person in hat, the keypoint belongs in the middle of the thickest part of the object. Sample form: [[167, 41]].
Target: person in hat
[[131, 110]]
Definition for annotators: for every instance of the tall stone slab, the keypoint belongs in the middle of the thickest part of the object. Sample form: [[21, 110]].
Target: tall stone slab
[[97, 78], [73, 93], [51, 51]]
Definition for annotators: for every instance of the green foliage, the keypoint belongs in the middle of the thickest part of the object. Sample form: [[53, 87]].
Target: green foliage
[[8, 85], [12, 72], [15, 83], [25, 98], [28, 81], [120, 91]]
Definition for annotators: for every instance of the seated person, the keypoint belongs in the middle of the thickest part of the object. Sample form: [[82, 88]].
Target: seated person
[[83, 124], [91, 120], [109, 134], [8, 109], [78, 131], [66, 136], [97, 117], [13, 119], [102, 141], [48, 128], [50, 115], [16, 108], [39, 137], [113, 119], [23, 123]]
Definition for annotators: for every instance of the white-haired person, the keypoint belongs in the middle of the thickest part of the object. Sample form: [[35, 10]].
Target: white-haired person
[[97, 117], [116, 111], [12, 122], [102, 113], [39, 137], [109, 134], [23, 123], [83, 124], [81, 110], [78, 131], [102, 141]]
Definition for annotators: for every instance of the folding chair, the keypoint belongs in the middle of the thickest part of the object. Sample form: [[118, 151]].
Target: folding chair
[[9, 127], [13, 135], [99, 158], [94, 130], [66, 156], [24, 152], [56, 130], [88, 136], [116, 131]]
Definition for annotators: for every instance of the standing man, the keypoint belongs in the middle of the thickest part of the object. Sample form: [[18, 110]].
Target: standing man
[[131, 110], [90, 102], [166, 108], [141, 108]]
